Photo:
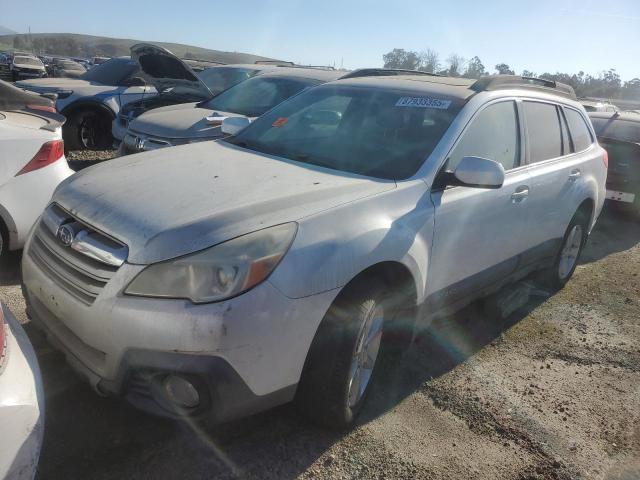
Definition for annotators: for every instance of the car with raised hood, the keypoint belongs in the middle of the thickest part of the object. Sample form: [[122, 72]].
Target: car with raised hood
[[201, 121], [168, 79], [91, 102], [32, 162], [26, 66], [619, 134], [218, 279], [21, 401]]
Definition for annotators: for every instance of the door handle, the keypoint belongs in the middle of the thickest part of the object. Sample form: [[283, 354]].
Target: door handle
[[574, 175], [520, 194]]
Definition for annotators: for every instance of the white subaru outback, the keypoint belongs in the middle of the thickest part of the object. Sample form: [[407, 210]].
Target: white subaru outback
[[218, 279]]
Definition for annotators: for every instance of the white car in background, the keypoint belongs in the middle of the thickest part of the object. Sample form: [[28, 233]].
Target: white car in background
[[33, 162], [21, 401], [27, 66]]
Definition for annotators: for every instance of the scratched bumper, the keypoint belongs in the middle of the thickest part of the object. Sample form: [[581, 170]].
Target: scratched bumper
[[262, 335]]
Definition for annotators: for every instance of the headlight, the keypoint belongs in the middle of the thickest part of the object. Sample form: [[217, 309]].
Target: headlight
[[220, 272]]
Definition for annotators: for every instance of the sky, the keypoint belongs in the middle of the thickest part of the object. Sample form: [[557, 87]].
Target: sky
[[541, 36]]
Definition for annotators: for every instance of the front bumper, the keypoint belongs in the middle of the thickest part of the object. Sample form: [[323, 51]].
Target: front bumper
[[21, 405], [248, 352]]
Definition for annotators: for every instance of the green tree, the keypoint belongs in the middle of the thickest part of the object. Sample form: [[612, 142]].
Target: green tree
[[401, 58], [455, 62], [18, 42], [504, 69], [475, 68]]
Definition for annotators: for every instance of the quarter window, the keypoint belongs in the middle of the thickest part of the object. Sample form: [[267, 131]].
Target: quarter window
[[580, 133], [493, 134], [543, 131]]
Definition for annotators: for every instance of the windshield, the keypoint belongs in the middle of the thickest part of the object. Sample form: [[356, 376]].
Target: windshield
[[257, 95], [219, 79], [27, 61], [364, 131], [617, 129], [112, 72]]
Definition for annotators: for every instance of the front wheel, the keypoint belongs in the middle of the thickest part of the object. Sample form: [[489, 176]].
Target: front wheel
[[88, 130], [344, 354], [567, 258]]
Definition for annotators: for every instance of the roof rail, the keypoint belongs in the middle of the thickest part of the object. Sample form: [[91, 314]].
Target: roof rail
[[278, 63], [315, 67], [385, 72], [497, 82]]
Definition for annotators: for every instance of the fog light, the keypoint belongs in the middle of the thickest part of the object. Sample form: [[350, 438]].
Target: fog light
[[181, 392]]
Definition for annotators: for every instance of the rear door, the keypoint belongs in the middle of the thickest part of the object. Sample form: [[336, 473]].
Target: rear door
[[479, 233], [556, 164]]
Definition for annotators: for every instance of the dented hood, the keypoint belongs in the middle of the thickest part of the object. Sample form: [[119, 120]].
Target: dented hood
[[179, 200], [167, 72]]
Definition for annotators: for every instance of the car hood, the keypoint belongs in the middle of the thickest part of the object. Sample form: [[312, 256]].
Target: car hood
[[184, 120], [28, 65], [166, 71], [41, 84], [179, 200]]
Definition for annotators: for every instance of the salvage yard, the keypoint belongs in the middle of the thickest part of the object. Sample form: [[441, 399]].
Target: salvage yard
[[552, 392]]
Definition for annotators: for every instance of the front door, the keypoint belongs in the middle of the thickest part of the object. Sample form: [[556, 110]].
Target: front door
[[479, 233]]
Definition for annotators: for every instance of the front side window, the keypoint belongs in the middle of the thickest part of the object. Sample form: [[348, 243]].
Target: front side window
[[257, 95], [493, 134], [580, 134], [380, 133], [543, 131]]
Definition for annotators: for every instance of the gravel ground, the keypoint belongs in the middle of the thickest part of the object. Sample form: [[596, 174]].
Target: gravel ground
[[551, 392], [79, 159]]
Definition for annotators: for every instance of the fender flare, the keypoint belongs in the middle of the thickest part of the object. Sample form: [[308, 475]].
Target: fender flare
[[87, 104]]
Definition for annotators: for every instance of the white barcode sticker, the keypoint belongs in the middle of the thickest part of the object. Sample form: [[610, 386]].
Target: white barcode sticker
[[423, 102]]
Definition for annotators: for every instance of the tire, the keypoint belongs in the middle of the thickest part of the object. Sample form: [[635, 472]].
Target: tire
[[88, 130], [568, 257], [4, 241], [328, 392]]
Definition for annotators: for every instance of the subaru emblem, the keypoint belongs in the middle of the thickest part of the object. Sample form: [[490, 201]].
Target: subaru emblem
[[65, 235]]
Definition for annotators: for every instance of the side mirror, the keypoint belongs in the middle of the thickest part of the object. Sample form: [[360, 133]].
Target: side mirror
[[479, 172], [233, 125], [135, 82]]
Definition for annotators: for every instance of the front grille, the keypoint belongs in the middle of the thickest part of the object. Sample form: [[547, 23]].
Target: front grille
[[76, 267]]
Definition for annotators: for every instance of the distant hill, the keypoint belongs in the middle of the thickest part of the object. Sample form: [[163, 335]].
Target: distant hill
[[79, 45], [6, 31]]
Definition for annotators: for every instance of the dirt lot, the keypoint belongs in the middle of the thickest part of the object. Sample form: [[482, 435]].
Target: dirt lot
[[552, 392]]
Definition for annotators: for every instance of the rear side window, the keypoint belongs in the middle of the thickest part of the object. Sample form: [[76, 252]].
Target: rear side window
[[580, 133], [543, 129], [493, 134]]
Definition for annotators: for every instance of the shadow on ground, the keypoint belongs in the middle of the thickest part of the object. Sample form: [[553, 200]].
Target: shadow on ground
[[10, 269]]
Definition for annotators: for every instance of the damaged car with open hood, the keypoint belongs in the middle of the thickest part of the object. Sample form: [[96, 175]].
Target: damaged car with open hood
[[176, 82]]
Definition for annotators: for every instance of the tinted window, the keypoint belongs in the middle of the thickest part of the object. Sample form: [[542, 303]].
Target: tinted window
[[360, 130], [543, 129], [219, 79], [493, 134], [580, 133], [618, 129], [112, 72], [257, 95]]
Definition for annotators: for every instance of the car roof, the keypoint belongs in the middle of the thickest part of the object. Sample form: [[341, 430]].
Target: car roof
[[628, 116], [453, 87], [324, 75], [450, 86]]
